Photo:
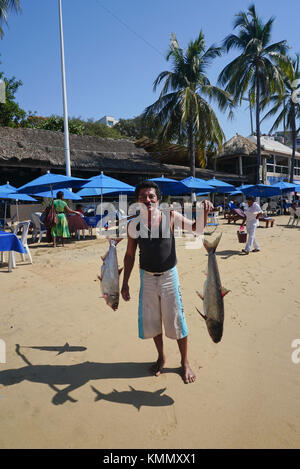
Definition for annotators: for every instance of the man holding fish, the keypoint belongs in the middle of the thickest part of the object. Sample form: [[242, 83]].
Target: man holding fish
[[160, 297]]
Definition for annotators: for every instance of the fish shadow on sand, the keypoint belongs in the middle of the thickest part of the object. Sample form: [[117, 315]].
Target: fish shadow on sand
[[75, 376], [228, 253], [136, 398], [59, 349]]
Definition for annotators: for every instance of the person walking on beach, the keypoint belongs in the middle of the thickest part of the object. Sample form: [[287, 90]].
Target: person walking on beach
[[61, 228], [160, 297], [252, 214]]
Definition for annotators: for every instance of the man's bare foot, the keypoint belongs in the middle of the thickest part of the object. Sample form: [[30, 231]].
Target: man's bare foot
[[158, 366], [187, 373]]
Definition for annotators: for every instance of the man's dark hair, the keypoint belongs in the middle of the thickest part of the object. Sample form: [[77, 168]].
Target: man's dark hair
[[147, 185], [250, 197], [60, 195]]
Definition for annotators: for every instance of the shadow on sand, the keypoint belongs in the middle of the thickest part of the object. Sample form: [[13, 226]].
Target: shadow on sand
[[75, 376]]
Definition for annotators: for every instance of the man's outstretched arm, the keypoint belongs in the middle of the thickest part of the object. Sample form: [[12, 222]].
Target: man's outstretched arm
[[128, 266]]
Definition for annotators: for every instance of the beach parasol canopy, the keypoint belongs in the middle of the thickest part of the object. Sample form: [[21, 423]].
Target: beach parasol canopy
[[7, 188], [106, 182], [221, 187], [16, 196], [50, 181], [68, 195], [94, 192], [197, 185], [169, 186], [285, 186], [260, 190]]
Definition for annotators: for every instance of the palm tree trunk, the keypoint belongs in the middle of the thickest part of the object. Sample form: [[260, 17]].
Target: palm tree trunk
[[294, 137], [191, 148], [257, 97]]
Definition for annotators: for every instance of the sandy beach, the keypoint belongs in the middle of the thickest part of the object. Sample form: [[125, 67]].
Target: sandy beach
[[100, 393]]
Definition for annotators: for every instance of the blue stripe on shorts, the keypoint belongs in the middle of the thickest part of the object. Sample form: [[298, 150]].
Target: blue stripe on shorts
[[176, 286], [140, 321]]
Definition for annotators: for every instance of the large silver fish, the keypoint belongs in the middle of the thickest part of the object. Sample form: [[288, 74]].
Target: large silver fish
[[109, 278], [213, 294]]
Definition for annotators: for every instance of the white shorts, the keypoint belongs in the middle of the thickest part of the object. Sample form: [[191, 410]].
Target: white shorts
[[160, 303]]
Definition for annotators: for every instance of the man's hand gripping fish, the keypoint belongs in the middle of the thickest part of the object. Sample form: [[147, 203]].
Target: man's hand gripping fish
[[109, 278], [213, 294]]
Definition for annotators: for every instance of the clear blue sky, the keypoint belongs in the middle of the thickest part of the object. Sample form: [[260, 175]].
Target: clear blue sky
[[110, 69]]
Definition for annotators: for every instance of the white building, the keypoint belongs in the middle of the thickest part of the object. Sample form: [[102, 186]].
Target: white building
[[279, 162], [108, 120]]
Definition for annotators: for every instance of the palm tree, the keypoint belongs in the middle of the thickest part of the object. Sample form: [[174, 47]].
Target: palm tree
[[256, 69], [6, 6], [290, 107], [182, 112]]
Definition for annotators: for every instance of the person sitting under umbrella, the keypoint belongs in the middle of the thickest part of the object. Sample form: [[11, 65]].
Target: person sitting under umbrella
[[61, 228]]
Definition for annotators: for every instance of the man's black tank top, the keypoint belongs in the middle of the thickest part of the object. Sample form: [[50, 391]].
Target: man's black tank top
[[157, 254]]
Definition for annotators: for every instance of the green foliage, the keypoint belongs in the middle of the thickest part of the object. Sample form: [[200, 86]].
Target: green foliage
[[182, 113], [6, 6], [137, 127], [11, 115], [96, 129], [256, 69], [56, 124]]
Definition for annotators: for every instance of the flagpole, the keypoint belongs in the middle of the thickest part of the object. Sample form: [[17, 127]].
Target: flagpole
[[66, 125]]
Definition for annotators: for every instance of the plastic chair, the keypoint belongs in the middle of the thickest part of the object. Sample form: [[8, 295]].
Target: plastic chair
[[39, 228], [264, 208], [24, 225], [294, 216]]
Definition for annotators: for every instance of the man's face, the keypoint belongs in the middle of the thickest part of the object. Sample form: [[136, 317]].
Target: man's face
[[250, 202], [148, 197]]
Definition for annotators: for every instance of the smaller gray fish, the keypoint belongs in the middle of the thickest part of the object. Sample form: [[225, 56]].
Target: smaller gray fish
[[213, 294], [136, 398], [109, 278]]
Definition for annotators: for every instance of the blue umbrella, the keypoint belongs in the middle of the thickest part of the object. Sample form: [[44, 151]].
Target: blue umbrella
[[108, 184], [50, 181], [285, 186], [260, 190], [94, 192], [197, 184], [169, 186], [7, 188], [68, 195], [105, 182], [221, 187], [16, 196]]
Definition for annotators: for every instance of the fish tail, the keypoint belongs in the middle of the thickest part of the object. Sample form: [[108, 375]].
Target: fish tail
[[114, 241], [211, 246]]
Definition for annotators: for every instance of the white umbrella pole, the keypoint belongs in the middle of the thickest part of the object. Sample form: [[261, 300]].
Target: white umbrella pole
[[5, 211]]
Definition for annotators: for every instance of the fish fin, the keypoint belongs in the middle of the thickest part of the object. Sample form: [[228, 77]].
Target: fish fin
[[204, 316], [199, 294], [211, 246], [224, 291], [120, 270], [104, 257], [115, 241], [132, 389], [160, 391], [98, 394]]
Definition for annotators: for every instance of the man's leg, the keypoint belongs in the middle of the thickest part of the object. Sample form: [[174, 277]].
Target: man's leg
[[158, 367], [188, 375]]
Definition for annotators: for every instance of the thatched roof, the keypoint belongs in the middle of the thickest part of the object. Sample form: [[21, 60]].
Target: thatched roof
[[45, 149], [240, 146]]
